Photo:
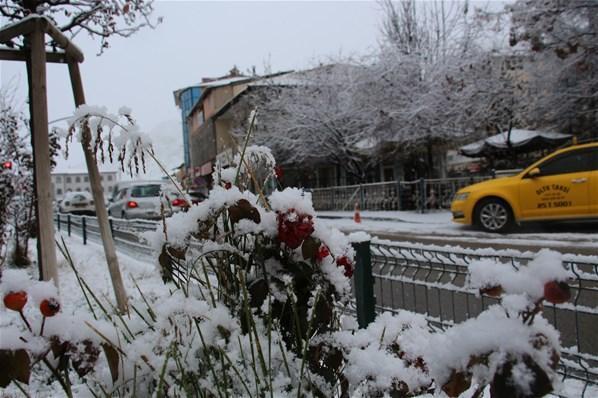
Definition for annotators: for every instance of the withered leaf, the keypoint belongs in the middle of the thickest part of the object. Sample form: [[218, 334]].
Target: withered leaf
[[178, 253], [492, 291], [457, 384], [112, 358], [503, 385], [243, 210], [84, 361], [258, 291], [310, 247], [14, 365]]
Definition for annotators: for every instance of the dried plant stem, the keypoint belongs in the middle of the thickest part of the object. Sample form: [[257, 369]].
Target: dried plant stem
[[25, 320], [161, 166], [247, 137]]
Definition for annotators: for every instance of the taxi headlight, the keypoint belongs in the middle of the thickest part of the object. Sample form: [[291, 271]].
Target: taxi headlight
[[461, 196]]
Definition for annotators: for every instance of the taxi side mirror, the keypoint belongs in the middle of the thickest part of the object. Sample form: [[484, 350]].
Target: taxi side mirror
[[535, 172]]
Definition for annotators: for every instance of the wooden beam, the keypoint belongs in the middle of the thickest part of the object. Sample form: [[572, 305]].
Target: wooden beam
[[7, 54], [21, 28], [98, 196], [63, 42], [43, 182]]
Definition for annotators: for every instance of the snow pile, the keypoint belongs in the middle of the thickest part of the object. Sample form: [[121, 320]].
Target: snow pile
[[387, 354], [480, 347]]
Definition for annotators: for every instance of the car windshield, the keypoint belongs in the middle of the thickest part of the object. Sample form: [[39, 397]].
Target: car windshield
[[145, 191]]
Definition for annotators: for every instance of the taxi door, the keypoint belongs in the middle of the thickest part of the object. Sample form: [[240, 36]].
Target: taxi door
[[560, 190], [594, 185]]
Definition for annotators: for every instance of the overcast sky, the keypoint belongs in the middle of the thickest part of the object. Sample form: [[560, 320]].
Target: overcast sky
[[205, 39]]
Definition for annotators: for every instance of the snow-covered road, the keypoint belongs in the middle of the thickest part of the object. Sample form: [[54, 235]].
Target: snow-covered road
[[437, 228]]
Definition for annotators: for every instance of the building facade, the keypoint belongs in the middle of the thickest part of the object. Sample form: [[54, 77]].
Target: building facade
[[67, 181], [185, 99]]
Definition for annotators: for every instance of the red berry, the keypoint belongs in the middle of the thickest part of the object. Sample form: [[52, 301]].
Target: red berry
[[278, 172], [228, 185], [322, 253], [344, 261], [556, 292], [49, 307], [293, 233], [15, 300]]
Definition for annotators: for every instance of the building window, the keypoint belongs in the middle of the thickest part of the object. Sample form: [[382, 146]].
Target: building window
[[77, 179], [58, 179], [68, 180], [86, 179], [59, 191], [109, 178]]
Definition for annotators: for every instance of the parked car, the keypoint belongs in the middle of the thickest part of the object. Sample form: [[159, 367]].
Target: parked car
[[143, 199], [79, 202], [562, 186], [197, 196]]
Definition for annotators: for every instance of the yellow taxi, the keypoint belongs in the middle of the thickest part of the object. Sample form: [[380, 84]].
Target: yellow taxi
[[560, 186]]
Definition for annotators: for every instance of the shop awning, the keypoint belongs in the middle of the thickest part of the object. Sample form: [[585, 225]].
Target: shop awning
[[517, 141]]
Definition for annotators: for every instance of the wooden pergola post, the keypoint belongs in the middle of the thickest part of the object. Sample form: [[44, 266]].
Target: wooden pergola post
[[98, 195], [35, 28], [39, 123]]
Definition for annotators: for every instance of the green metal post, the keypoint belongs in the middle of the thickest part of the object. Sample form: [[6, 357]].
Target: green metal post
[[84, 228], [364, 284], [422, 195], [68, 224]]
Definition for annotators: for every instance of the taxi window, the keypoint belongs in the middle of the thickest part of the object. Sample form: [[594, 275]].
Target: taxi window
[[571, 162]]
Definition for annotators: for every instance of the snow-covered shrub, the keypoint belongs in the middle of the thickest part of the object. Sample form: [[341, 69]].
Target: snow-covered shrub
[[60, 347], [510, 346], [17, 192], [279, 274]]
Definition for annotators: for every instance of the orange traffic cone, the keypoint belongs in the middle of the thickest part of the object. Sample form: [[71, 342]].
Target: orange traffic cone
[[357, 215]]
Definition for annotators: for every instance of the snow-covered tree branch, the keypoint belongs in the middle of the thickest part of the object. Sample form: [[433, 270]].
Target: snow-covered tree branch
[[102, 19]]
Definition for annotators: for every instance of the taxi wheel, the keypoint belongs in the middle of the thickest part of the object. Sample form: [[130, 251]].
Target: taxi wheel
[[494, 215]]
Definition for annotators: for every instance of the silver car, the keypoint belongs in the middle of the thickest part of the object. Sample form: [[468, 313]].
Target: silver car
[[79, 202], [146, 200]]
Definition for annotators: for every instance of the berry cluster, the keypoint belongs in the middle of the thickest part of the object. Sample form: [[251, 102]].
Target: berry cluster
[[294, 228], [16, 301]]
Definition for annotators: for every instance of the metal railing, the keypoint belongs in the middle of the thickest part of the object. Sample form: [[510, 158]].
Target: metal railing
[[419, 195], [127, 234], [432, 282]]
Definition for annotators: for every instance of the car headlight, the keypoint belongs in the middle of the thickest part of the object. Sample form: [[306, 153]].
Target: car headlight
[[461, 196]]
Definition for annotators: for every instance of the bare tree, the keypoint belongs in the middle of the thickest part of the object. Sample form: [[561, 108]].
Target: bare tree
[[562, 40], [102, 19], [313, 117], [423, 83], [431, 83]]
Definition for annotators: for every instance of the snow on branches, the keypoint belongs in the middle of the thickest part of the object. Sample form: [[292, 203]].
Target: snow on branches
[[102, 19], [111, 135]]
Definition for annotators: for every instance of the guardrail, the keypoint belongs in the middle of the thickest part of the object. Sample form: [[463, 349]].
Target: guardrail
[[126, 233], [432, 282], [419, 195]]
